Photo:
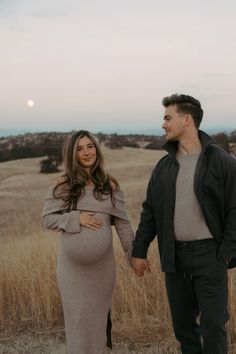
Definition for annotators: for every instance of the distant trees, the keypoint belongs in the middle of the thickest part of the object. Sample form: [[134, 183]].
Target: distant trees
[[156, 143], [222, 140], [113, 144], [115, 141], [50, 165], [49, 145], [232, 137], [31, 145], [35, 145], [19, 150], [53, 150]]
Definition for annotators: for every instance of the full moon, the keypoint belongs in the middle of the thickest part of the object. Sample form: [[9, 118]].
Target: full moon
[[30, 103]]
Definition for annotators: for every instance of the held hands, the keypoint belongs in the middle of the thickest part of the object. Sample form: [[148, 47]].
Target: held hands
[[88, 219], [140, 266]]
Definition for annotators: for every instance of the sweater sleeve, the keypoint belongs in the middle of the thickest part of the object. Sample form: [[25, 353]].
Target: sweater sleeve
[[126, 235], [69, 222], [56, 217], [121, 221]]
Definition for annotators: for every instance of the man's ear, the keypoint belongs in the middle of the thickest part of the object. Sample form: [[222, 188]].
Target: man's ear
[[187, 119]]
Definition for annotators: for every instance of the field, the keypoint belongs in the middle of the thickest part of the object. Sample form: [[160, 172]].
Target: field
[[31, 319]]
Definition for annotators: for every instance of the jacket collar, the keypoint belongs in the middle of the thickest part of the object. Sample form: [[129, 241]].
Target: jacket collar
[[172, 146]]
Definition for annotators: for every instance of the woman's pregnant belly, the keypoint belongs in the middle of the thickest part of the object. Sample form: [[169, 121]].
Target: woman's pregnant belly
[[88, 246]]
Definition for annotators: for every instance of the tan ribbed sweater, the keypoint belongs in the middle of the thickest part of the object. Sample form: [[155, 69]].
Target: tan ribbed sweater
[[189, 221]]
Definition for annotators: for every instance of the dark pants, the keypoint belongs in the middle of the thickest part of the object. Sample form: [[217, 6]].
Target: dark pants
[[199, 287]]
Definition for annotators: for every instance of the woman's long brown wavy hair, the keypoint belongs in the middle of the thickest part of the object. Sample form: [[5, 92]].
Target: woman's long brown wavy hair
[[75, 177]]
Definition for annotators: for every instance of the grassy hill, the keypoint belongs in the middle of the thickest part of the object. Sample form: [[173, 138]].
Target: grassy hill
[[31, 319]]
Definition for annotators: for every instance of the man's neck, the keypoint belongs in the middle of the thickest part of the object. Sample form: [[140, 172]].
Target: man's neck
[[189, 145]]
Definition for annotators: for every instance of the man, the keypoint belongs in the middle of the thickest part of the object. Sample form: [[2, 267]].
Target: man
[[191, 206]]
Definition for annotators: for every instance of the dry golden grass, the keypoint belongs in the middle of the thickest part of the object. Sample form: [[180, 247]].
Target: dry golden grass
[[29, 298]]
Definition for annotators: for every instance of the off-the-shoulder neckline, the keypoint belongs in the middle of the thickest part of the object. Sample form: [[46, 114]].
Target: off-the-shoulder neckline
[[90, 187]]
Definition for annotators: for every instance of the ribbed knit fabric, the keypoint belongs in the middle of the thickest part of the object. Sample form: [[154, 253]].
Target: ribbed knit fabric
[[86, 269], [189, 221]]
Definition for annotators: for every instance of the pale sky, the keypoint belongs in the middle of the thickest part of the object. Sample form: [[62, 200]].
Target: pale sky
[[107, 64]]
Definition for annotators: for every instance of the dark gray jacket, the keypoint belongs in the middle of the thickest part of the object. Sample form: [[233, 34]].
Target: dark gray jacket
[[215, 189]]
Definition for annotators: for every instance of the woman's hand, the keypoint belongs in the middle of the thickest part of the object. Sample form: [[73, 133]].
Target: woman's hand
[[88, 219], [140, 266]]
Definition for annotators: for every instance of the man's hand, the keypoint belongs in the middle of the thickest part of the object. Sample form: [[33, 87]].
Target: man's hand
[[140, 266]]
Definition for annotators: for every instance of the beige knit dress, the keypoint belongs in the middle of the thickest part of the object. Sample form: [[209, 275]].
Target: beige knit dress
[[86, 269]]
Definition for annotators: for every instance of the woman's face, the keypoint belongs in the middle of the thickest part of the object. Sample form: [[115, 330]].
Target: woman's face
[[86, 153]]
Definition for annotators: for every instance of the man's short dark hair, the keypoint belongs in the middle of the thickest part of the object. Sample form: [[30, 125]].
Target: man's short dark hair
[[185, 104]]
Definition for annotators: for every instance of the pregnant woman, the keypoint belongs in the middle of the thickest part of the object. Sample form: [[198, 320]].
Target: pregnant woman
[[83, 205]]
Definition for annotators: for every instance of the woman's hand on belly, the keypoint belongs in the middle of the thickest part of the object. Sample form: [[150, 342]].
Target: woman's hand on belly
[[88, 219]]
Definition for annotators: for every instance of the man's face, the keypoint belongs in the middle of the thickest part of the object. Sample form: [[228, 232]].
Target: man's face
[[173, 123]]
